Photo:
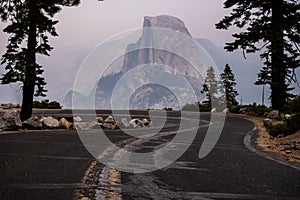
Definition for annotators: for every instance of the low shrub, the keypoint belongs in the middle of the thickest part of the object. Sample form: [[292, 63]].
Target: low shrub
[[234, 108], [258, 110], [205, 107], [47, 104], [289, 126], [167, 109], [194, 107], [293, 106]]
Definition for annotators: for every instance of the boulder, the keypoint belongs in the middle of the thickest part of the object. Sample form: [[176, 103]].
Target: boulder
[[65, 123], [273, 114], [146, 122], [77, 119], [99, 119], [134, 123], [287, 116], [33, 123], [243, 110], [267, 122], [111, 126], [50, 122], [83, 126], [9, 120], [109, 119], [226, 110]]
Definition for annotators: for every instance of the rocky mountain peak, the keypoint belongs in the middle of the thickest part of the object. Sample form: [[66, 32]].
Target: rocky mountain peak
[[166, 21]]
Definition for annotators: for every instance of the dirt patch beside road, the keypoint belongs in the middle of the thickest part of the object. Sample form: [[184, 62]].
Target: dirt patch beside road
[[287, 147]]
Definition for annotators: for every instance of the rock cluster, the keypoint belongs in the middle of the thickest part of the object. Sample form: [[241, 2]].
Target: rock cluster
[[9, 120], [274, 114], [110, 123], [46, 123], [290, 145], [5, 106]]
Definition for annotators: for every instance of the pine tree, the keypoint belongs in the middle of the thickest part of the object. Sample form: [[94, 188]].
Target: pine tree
[[210, 86], [31, 22], [271, 26], [228, 81]]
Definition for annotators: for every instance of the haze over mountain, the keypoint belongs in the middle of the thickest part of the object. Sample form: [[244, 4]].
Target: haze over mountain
[[135, 56], [70, 61], [156, 84]]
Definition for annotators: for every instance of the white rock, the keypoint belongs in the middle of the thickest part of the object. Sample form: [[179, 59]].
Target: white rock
[[84, 125], [77, 119], [134, 123], [213, 110], [9, 120], [273, 114], [243, 110], [287, 116], [267, 122], [226, 110], [50, 122], [32, 123]]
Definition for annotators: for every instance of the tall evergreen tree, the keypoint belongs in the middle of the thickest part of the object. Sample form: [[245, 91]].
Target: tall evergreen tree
[[270, 26], [228, 81], [210, 86], [31, 22], [264, 78]]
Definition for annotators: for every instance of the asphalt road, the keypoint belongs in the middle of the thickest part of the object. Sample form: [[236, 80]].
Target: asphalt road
[[53, 165]]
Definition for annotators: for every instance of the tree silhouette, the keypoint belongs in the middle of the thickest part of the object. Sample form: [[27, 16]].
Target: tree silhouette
[[270, 26], [31, 22], [210, 86], [228, 81]]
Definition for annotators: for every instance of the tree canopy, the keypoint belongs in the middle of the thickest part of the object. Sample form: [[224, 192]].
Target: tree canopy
[[30, 24], [271, 27], [211, 86], [228, 80]]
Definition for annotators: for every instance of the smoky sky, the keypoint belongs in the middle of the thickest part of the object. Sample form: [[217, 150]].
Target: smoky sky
[[83, 27]]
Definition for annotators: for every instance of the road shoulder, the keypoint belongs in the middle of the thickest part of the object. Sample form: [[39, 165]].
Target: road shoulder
[[259, 141]]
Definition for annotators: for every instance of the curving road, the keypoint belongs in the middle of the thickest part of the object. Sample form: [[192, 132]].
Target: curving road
[[56, 165]]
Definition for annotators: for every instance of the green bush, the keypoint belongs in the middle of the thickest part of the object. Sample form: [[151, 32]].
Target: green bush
[[293, 106], [194, 107], [234, 108], [257, 110], [205, 107], [289, 126], [167, 109], [47, 104]]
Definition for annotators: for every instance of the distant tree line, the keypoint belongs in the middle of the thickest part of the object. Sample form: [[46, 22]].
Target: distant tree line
[[47, 104], [217, 91]]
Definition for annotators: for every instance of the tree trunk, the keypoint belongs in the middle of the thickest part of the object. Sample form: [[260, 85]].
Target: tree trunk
[[278, 74], [30, 69]]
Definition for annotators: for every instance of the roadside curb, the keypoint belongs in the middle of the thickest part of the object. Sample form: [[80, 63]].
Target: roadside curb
[[249, 142]]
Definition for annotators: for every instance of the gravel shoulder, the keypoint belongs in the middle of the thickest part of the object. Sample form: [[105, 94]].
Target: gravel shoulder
[[282, 148]]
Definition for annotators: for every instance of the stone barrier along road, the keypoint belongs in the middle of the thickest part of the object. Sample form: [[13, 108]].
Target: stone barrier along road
[[51, 165]]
